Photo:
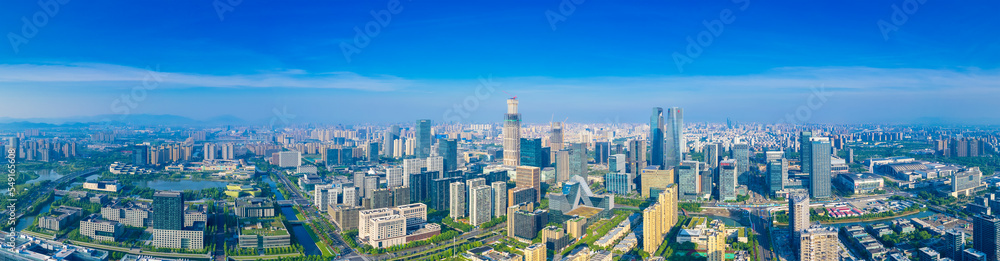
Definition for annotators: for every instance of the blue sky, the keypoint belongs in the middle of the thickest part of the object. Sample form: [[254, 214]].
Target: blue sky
[[600, 61]]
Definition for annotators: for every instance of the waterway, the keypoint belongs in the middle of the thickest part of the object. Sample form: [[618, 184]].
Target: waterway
[[45, 174], [26, 221], [298, 230]]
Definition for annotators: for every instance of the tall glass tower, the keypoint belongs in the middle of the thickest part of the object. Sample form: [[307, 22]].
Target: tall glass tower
[[168, 207], [819, 172], [656, 138], [423, 138], [675, 137]]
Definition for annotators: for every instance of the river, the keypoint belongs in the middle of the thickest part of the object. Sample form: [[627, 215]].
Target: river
[[298, 230], [26, 221]]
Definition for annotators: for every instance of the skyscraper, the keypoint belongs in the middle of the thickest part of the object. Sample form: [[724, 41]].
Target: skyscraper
[[711, 153], [819, 175], [741, 153], [727, 180], [636, 156], [688, 181], [656, 138], [578, 159], [530, 177], [395, 178], [388, 141], [423, 129], [798, 214], [602, 149], [499, 198], [531, 153], [954, 244], [141, 155], [535, 252], [457, 200], [168, 207], [555, 141], [562, 165], [805, 151], [674, 135], [986, 235], [777, 173], [512, 134], [616, 163], [448, 148], [480, 204]]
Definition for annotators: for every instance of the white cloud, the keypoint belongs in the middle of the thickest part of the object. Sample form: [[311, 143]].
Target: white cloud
[[97, 73]]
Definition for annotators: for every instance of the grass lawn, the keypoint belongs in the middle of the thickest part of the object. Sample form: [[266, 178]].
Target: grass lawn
[[269, 257], [319, 243]]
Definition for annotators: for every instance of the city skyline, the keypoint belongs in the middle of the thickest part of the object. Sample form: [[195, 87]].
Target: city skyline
[[763, 65]]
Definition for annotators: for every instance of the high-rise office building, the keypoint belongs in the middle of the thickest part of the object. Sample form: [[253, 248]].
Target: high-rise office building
[[389, 138], [436, 164], [602, 149], [971, 254], [512, 134], [531, 153], [440, 192], [616, 163], [457, 201], [530, 177], [674, 135], [688, 180], [741, 153], [711, 152], [798, 214], [168, 209], [448, 149], [562, 166], [420, 184], [954, 244], [423, 136], [654, 180], [578, 159], [986, 235], [777, 173], [927, 254], [499, 198], [805, 151], [656, 141], [618, 183], [819, 171], [636, 156], [727, 179], [480, 204], [555, 140], [818, 244], [140, 155]]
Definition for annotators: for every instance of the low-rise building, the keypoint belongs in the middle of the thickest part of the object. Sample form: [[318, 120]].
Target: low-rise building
[[100, 229], [59, 218], [263, 233], [109, 186], [129, 213], [255, 207]]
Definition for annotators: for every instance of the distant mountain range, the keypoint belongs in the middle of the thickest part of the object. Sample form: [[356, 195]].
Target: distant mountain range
[[133, 119]]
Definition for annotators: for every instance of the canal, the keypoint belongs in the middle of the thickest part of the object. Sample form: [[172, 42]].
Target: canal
[[742, 222], [298, 230]]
